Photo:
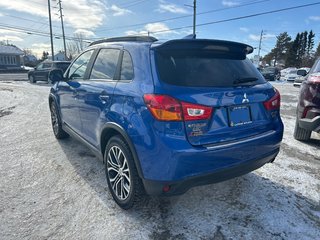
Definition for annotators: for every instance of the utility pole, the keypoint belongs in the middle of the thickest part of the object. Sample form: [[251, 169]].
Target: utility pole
[[194, 17], [260, 44], [50, 24], [63, 35]]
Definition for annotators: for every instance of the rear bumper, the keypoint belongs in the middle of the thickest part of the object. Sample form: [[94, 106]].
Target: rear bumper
[[180, 187], [175, 160], [310, 124]]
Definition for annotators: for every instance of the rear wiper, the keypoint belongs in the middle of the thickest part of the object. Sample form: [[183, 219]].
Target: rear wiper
[[245, 80]]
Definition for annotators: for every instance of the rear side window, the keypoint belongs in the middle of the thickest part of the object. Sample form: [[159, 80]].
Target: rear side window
[[62, 66], [105, 65], [126, 67], [205, 69]]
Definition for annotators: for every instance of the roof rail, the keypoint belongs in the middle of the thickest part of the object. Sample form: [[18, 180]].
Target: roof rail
[[126, 39]]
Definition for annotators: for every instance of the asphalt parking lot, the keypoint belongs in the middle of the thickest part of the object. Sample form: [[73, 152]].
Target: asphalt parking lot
[[53, 189]]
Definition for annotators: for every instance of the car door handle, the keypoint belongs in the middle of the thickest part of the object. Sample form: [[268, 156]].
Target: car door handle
[[104, 97]]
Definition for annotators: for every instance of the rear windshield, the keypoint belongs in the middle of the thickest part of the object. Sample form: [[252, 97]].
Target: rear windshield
[[205, 69], [62, 66]]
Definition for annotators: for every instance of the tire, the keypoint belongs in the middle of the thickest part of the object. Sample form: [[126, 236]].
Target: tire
[[123, 180], [59, 133], [31, 79], [301, 134]]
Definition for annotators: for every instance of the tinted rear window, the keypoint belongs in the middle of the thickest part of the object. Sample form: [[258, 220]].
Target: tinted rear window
[[205, 69], [62, 66]]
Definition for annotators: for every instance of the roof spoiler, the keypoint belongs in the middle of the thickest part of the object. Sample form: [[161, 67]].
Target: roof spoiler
[[126, 39], [205, 44], [190, 36]]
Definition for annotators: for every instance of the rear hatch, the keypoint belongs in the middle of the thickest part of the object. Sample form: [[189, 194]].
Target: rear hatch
[[223, 97]]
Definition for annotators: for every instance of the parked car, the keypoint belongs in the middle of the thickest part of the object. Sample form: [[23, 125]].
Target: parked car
[[168, 116], [302, 73], [291, 76], [285, 71], [42, 70], [308, 109], [271, 73]]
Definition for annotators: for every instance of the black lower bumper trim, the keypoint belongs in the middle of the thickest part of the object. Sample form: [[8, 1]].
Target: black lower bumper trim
[[180, 187], [310, 124]]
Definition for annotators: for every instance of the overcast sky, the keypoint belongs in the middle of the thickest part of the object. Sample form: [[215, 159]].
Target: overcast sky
[[163, 19]]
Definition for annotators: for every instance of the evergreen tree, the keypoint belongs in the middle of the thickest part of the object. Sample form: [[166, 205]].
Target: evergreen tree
[[280, 50], [310, 43], [44, 55], [293, 54], [317, 53]]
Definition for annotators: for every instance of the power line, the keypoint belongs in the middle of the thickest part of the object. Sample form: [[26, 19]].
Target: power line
[[133, 3], [242, 17], [184, 16], [34, 32], [30, 20]]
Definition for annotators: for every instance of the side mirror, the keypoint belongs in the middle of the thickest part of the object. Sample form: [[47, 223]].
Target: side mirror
[[302, 73], [56, 75]]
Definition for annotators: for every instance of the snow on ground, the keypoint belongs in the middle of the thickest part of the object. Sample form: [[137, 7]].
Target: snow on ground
[[53, 189]]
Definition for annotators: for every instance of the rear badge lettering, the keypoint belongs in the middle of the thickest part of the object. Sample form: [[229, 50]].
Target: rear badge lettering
[[196, 129]]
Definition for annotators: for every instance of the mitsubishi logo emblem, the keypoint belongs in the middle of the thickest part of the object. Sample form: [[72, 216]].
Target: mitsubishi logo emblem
[[245, 99]]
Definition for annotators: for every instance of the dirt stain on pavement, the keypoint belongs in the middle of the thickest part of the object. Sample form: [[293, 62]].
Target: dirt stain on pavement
[[6, 111], [162, 232], [6, 89]]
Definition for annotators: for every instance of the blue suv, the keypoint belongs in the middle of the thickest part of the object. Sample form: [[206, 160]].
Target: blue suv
[[167, 116]]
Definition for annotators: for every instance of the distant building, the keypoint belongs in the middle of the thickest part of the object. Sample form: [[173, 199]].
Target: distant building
[[30, 60], [58, 57], [10, 57]]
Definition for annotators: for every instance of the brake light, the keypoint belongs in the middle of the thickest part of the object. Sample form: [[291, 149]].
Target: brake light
[[163, 107], [305, 112], [166, 108], [274, 102], [314, 78]]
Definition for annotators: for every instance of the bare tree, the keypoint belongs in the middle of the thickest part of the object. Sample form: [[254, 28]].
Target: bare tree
[[76, 46]]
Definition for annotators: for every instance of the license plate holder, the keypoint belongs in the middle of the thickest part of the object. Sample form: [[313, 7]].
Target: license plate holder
[[239, 115]]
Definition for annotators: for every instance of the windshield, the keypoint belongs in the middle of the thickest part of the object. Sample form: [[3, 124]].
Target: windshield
[[316, 67], [292, 71], [268, 70], [205, 69]]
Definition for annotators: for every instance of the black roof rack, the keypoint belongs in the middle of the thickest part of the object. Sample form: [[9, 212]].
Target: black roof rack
[[126, 39]]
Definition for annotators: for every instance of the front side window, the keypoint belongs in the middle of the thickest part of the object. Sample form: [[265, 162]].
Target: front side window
[[40, 66], [79, 66], [106, 64]]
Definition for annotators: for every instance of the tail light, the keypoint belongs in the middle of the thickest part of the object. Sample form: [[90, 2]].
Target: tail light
[[166, 108], [193, 112], [305, 112], [314, 78], [274, 102]]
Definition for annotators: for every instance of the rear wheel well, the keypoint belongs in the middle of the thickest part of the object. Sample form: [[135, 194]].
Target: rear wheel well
[[50, 101], [105, 137], [113, 130]]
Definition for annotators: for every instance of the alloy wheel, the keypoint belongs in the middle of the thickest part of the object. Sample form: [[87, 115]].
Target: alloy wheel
[[54, 119], [118, 173]]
